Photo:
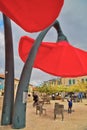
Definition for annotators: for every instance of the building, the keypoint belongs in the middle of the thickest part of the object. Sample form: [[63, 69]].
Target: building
[[66, 81], [1, 81], [16, 82], [72, 81]]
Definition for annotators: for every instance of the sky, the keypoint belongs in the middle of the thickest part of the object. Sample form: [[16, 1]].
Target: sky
[[73, 21]]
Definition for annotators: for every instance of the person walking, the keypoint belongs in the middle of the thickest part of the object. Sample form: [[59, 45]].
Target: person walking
[[35, 99]]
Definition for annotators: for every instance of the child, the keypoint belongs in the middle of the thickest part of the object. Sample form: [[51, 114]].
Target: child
[[70, 105]]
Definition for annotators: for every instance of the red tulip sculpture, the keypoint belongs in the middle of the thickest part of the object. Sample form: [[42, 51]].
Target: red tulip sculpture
[[60, 58], [32, 15]]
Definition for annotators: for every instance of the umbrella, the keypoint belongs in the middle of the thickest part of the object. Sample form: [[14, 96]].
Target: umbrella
[[32, 15], [60, 58]]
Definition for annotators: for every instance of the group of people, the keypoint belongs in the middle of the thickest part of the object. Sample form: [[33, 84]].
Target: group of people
[[36, 99], [70, 103]]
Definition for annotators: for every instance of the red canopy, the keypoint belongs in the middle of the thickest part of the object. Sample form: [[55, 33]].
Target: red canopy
[[59, 59], [32, 15]]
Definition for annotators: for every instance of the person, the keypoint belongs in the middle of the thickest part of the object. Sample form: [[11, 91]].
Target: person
[[53, 96], [35, 99], [80, 96], [70, 105]]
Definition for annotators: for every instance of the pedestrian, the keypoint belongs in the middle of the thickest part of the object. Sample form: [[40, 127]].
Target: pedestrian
[[35, 99], [80, 96], [70, 105]]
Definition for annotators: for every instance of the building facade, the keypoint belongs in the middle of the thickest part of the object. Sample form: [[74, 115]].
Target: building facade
[[1, 82], [66, 81], [72, 81], [16, 82]]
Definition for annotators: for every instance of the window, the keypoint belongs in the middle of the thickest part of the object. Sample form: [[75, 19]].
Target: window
[[82, 80], [73, 81], [69, 81]]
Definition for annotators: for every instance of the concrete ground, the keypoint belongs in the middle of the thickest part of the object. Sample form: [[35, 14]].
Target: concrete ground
[[77, 120]]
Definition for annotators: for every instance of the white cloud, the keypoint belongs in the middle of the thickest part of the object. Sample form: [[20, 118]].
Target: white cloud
[[1, 40], [2, 53]]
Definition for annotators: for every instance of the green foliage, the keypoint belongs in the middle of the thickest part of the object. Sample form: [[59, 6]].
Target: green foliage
[[79, 87], [49, 89], [52, 89]]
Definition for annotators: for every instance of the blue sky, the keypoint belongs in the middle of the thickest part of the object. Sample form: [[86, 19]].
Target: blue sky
[[73, 20], [1, 23]]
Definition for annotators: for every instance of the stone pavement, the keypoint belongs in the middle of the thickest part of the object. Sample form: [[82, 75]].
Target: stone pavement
[[77, 120]]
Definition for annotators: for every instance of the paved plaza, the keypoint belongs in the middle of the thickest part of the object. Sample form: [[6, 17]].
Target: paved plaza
[[77, 120]]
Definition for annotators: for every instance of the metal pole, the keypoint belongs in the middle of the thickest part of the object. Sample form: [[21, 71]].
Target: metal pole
[[8, 101], [61, 35], [19, 117]]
